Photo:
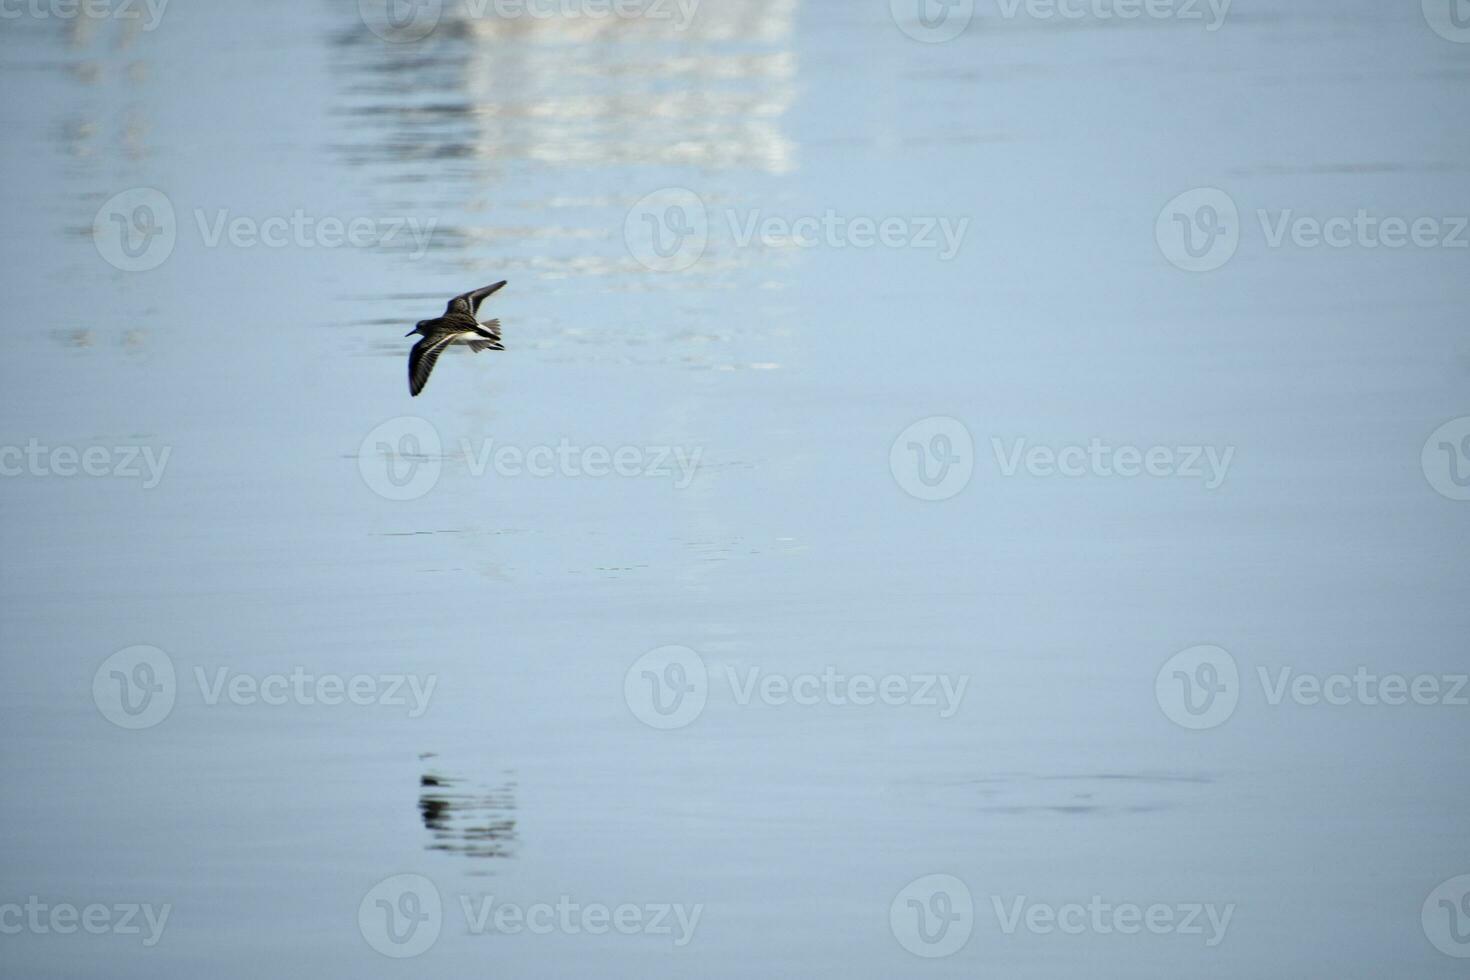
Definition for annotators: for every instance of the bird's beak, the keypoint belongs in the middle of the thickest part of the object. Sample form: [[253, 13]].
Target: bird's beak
[[412, 332]]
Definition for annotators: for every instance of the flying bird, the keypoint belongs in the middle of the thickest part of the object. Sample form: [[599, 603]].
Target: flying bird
[[460, 324]]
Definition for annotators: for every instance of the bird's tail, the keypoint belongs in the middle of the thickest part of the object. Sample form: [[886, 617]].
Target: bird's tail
[[490, 330]]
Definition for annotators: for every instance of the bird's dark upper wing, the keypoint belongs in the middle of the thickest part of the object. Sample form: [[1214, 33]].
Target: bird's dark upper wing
[[421, 360], [469, 303]]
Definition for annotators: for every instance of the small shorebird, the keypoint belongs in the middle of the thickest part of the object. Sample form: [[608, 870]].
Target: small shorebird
[[458, 325]]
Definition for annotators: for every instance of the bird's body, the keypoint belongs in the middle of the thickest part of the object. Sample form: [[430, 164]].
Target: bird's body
[[459, 325]]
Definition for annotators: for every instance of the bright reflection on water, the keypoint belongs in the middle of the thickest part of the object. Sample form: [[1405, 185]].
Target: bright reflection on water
[[490, 619]]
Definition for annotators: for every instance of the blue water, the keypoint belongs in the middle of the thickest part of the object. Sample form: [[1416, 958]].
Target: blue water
[[796, 543]]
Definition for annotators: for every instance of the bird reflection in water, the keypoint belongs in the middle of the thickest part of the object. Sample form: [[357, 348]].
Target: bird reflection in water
[[475, 824]]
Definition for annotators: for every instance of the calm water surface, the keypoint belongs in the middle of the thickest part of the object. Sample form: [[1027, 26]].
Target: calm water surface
[[521, 148]]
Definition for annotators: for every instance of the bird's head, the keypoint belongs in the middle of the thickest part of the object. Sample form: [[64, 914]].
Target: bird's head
[[417, 328]]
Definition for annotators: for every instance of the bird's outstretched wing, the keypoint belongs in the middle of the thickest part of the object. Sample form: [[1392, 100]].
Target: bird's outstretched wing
[[421, 360], [469, 303]]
